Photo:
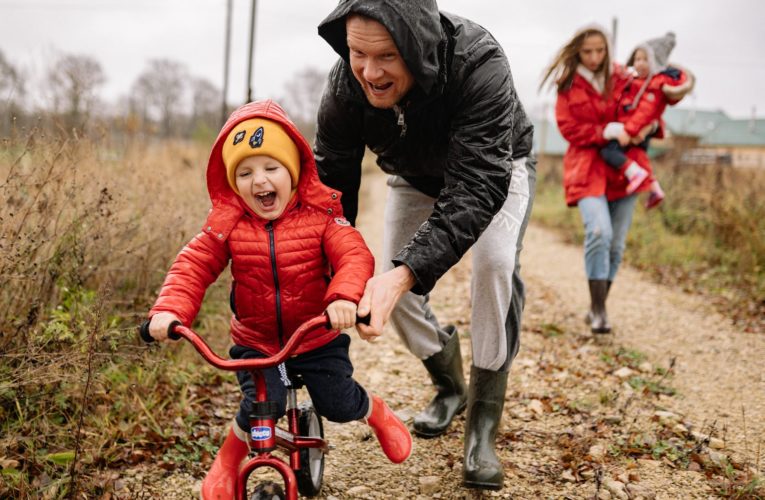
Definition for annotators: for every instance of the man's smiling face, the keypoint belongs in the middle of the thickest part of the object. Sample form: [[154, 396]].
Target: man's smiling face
[[376, 62]]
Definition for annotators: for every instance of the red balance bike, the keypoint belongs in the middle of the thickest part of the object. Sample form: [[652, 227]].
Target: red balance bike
[[304, 439]]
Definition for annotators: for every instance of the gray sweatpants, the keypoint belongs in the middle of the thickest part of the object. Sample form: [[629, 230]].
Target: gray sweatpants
[[496, 287]]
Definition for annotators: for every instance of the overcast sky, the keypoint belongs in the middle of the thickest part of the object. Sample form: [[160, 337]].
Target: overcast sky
[[722, 42]]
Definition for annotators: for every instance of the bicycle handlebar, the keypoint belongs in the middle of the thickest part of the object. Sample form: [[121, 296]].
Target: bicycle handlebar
[[143, 331], [176, 330]]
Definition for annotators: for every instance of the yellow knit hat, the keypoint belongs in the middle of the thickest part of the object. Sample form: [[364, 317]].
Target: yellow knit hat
[[259, 136]]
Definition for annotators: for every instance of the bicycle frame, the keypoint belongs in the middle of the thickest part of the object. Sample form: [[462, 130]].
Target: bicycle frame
[[269, 436]]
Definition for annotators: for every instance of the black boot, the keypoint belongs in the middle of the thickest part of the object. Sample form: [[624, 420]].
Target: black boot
[[486, 398], [598, 293], [588, 316], [445, 369]]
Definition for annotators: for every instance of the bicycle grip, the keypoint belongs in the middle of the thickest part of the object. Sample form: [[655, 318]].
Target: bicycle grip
[[143, 330], [364, 320], [359, 319]]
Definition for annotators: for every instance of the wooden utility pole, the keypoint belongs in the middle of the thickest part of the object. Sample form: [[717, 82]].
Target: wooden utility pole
[[252, 52], [226, 59]]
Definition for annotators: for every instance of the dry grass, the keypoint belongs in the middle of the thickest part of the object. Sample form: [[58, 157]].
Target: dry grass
[[87, 233], [79, 214]]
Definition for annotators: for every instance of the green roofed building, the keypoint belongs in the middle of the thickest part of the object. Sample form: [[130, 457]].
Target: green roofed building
[[692, 137], [711, 137], [692, 122], [743, 141]]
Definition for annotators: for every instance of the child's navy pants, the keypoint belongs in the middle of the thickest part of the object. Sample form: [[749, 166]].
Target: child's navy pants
[[326, 373]]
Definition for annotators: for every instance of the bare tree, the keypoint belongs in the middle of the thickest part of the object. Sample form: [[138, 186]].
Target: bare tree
[[159, 92], [206, 98], [303, 95], [73, 81], [10, 81], [11, 92]]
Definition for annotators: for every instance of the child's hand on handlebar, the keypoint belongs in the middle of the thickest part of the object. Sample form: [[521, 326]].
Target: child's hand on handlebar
[[342, 314], [159, 324]]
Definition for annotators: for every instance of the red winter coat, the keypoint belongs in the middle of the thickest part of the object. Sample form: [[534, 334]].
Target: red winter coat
[[582, 113], [651, 104], [280, 268]]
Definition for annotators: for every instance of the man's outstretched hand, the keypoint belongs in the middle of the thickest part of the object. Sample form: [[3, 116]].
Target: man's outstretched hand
[[381, 295]]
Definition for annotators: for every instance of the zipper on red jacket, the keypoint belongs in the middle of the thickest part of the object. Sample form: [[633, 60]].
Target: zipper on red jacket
[[272, 249]]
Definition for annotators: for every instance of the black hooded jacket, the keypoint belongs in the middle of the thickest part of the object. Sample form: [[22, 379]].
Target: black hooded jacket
[[462, 125]]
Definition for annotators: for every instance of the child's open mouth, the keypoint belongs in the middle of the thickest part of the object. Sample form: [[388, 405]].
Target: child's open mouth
[[267, 200]]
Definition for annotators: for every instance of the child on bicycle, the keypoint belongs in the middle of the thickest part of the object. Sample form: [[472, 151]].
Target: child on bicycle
[[283, 232], [644, 99]]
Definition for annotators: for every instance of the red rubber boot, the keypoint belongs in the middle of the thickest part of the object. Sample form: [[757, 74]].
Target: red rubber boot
[[655, 196], [635, 174], [221, 478], [392, 434]]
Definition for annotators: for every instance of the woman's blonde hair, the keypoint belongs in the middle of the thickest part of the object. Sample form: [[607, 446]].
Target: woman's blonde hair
[[563, 67]]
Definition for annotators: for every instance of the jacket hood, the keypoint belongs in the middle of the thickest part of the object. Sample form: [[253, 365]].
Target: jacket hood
[[414, 26], [227, 206], [657, 51], [599, 28]]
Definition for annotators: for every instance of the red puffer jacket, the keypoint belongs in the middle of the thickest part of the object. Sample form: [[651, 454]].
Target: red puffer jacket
[[280, 268], [652, 102], [582, 113]]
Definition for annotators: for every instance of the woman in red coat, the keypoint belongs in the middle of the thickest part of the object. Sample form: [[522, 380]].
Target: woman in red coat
[[283, 231], [588, 86]]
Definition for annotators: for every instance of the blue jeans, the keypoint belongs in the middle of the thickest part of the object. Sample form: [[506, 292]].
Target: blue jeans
[[605, 234]]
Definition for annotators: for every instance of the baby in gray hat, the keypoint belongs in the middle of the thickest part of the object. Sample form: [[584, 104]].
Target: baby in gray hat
[[642, 101]]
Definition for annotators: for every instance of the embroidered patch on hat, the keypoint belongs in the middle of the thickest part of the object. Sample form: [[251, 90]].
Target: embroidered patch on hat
[[341, 221], [257, 138], [239, 137]]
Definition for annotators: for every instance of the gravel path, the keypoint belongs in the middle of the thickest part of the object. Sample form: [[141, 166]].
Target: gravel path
[[572, 419], [719, 371]]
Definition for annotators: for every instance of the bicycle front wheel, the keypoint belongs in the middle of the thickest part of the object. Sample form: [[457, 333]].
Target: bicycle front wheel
[[311, 472]]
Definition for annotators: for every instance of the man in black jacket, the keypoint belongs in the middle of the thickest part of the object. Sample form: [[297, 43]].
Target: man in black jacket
[[432, 95]]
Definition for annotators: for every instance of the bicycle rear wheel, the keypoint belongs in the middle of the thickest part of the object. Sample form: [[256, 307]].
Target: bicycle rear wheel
[[311, 472]]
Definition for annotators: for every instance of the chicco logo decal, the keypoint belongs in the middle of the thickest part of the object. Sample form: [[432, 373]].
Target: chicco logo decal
[[239, 137], [341, 221], [257, 138], [261, 433]]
